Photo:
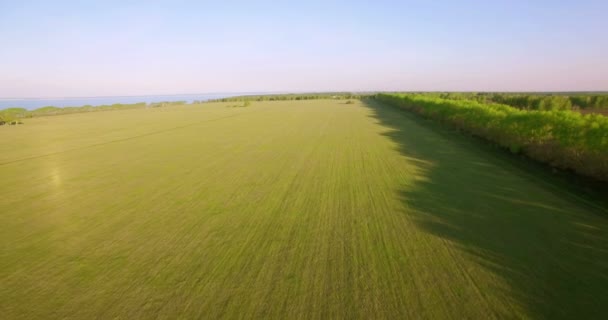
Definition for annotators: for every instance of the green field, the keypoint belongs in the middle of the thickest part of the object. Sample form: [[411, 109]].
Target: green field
[[288, 210]]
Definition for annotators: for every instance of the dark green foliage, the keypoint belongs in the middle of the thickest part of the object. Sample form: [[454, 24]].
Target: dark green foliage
[[567, 140]]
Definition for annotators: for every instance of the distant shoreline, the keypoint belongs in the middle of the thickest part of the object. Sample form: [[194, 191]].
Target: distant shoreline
[[125, 96], [34, 103]]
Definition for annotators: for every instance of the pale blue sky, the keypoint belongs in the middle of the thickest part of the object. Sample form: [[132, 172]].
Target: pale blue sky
[[93, 48]]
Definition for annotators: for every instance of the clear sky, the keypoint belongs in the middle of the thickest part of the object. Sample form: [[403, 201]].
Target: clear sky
[[95, 48]]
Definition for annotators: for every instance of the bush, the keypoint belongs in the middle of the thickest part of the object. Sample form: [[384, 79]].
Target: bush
[[563, 139]]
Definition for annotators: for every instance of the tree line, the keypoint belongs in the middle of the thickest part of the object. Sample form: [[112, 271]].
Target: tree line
[[294, 96]]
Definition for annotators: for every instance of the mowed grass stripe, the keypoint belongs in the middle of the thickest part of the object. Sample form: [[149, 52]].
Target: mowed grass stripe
[[311, 209]]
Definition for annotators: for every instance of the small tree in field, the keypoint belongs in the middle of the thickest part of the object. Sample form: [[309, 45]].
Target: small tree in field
[[247, 103]]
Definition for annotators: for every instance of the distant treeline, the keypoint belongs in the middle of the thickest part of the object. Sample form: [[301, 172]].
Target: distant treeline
[[536, 101], [295, 96], [12, 115], [563, 139]]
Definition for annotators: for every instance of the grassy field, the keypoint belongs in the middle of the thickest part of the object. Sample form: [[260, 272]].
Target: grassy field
[[293, 209]]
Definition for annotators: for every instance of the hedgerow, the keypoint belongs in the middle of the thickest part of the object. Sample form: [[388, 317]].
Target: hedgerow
[[539, 101], [563, 139]]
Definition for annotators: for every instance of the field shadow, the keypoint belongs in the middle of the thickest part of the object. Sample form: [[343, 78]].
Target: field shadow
[[504, 213]]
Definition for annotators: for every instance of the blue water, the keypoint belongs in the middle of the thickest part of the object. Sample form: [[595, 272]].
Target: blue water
[[96, 101]]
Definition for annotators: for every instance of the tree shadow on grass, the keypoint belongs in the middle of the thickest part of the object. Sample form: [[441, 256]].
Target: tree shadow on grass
[[549, 244]]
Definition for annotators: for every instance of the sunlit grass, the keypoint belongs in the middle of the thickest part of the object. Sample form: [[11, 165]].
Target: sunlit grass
[[308, 209]]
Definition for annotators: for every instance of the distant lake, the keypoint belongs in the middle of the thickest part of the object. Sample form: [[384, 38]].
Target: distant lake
[[96, 101]]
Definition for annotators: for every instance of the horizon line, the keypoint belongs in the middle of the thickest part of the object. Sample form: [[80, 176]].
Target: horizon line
[[297, 92]]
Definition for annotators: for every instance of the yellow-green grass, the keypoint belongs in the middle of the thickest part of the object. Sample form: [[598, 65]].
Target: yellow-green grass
[[300, 209]]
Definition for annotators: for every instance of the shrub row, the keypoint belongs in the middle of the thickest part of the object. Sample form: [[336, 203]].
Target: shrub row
[[566, 140], [552, 102], [534, 101]]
